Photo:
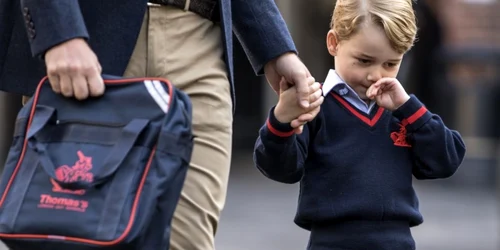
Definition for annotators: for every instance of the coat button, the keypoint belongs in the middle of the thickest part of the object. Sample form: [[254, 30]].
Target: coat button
[[32, 33]]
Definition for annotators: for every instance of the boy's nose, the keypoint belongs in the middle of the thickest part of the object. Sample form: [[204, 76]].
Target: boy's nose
[[374, 76]]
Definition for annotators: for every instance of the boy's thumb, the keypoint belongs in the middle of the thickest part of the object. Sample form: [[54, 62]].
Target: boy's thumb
[[283, 85]]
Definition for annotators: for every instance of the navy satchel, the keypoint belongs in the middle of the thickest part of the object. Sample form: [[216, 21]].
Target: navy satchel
[[104, 173]]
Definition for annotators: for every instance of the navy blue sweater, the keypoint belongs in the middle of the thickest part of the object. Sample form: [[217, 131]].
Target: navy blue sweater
[[355, 170]]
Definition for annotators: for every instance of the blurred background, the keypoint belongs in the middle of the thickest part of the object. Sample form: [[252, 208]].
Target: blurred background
[[453, 69]]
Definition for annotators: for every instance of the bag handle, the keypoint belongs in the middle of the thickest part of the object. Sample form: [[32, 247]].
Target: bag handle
[[129, 135]]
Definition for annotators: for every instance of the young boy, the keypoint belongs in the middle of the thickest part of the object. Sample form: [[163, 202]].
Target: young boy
[[356, 159]]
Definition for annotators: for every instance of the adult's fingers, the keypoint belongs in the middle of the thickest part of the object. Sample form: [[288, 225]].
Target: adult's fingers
[[54, 82], [95, 83], [302, 86], [74, 69], [65, 82], [283, 85], [80, 87]]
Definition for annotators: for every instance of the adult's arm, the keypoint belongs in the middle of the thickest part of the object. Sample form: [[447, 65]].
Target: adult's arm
[[52, 22], [57, 33], [261, 30]]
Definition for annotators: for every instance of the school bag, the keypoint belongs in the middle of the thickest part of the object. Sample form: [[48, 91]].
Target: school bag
[[104, 173]]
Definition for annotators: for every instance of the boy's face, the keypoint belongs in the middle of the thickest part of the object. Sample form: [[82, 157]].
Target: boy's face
[[364, 58]]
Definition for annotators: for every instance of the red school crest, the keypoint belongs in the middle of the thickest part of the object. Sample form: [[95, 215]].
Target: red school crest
[[399, 137]]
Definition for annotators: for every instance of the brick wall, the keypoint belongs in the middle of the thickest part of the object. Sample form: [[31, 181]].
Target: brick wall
[[470, 23], [473, 27]]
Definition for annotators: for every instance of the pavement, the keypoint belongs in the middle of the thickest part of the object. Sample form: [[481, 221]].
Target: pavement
[[259, 215]]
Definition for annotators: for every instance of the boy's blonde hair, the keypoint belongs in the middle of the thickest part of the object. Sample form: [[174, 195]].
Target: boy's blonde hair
[[395, 17]]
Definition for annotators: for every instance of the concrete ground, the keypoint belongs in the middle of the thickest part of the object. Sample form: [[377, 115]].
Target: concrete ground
[[259, 215]]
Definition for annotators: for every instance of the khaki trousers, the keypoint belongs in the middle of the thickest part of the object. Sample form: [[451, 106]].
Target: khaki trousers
[[187, 49]]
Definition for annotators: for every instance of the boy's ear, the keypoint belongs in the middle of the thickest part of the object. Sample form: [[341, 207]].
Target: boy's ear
[[331, 43]]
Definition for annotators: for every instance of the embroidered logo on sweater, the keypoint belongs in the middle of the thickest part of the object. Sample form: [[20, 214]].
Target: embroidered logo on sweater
[[399, 137]]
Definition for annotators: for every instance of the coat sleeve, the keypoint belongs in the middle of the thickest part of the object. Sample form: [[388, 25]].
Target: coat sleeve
[[51, 22], [438, 151], [261, 30]]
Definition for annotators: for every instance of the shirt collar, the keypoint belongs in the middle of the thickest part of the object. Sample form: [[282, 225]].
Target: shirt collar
[[335, 83], [332, 80], [339, 86]]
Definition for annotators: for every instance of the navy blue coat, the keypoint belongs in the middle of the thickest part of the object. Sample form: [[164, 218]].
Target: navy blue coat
[[28, 28]]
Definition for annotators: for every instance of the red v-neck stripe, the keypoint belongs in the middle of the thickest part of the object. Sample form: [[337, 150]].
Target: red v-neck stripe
[[370, 122]]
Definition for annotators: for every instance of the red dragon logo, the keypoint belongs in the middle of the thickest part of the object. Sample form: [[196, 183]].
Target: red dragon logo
[[77, 172]]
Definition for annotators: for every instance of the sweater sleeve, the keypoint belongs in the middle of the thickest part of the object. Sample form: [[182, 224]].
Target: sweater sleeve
[[279, 153], [438, 150]]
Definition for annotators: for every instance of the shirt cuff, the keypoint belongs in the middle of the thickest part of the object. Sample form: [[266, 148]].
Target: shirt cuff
[[413, 113], [275, 127]]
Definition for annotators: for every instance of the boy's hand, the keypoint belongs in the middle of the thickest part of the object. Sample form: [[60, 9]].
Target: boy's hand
[[288, 109], [388, 93]]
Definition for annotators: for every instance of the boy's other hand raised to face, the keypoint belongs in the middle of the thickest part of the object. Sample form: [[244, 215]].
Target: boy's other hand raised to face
[[388, 93]]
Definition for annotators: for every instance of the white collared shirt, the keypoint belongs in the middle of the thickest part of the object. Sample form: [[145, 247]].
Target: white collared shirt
[[335, 83]]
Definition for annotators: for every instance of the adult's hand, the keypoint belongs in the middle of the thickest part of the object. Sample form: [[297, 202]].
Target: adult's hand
[[295, 73], [74, 70], [315, 100]]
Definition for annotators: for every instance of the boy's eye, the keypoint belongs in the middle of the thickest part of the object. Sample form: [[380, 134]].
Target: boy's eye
[[391, 65], [363, 61]]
